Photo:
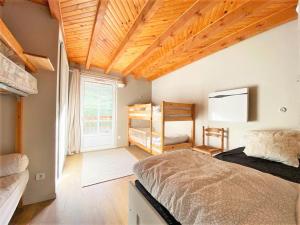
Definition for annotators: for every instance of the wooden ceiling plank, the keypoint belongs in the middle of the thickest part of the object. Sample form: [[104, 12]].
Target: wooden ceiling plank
[[80, 16], [97, 28], [203, 39], [117, 20], [221, 23], [80, 11], [10, 40], [111, 36], [127, 10], [72, 22], [79, 6], [114, 27], [269, 22], [68, 3], [121, 12], [146, 13], [197, 7], [80, 25]]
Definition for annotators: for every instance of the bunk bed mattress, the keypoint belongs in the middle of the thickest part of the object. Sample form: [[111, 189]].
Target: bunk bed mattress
[[177, 178], [14, 76], [11, 190], [171, 140], [141, 138]]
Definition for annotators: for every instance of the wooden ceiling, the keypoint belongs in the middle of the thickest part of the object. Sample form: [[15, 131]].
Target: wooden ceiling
[[150, 38]]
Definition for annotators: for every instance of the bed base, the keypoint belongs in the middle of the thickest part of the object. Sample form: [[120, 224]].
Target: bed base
[[141, 212]]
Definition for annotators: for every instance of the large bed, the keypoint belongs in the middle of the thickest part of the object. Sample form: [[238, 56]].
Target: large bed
[[185, 187]]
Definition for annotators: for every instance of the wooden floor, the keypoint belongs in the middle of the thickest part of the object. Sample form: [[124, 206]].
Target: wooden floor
[[103, 204]]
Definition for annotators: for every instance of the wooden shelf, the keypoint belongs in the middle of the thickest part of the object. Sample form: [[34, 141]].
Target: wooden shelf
[[40, 62]]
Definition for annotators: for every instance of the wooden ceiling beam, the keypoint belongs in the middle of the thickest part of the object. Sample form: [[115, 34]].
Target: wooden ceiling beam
[[97, 28], [145, 14], [244, 10], [199, 7], [55, 9], [10, 40], [267, 23]]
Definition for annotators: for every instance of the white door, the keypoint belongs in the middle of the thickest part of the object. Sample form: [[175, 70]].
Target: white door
[[97, 115]]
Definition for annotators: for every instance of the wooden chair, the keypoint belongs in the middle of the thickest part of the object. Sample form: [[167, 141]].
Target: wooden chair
[[211, 132]]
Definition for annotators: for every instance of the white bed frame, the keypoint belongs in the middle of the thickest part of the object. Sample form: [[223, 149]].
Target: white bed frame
[[141, 212]]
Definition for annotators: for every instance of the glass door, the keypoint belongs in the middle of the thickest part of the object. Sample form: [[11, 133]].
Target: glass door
[[97, 115]]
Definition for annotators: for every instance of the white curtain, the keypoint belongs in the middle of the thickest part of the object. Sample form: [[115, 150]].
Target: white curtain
[[74, 114]]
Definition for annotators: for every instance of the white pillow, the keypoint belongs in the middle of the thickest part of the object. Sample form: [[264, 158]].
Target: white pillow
[[13, 163], [276, 145]]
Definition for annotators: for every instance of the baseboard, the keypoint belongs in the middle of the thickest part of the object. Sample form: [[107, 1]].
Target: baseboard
[[31, 199]]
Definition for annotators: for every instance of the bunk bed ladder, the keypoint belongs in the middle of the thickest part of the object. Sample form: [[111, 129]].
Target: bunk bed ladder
[[151, 112], [162, 131], [19, 123], [193, 126]]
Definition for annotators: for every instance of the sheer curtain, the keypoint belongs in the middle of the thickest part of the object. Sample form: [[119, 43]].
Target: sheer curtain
[[74, 114]]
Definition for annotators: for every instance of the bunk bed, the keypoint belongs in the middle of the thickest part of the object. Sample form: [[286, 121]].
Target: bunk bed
[[14, 80], [152, 137]]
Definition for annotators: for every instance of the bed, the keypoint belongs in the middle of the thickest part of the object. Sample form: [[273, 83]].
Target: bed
[[11, 190], [155, 200], [152, 137]]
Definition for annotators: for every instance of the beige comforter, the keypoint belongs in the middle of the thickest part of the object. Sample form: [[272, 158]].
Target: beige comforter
[[198, 189]]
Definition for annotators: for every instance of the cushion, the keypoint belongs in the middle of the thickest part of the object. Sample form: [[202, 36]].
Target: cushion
[[276, 145], [13, 163]]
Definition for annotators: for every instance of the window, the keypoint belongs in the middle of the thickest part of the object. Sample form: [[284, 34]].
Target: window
[[97, 114]]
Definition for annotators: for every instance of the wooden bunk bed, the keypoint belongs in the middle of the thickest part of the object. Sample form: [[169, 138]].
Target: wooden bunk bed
[[140, 112], [155, 141]]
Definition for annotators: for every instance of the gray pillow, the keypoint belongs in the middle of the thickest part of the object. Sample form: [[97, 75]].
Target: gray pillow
[[275, 145], [13, 163]]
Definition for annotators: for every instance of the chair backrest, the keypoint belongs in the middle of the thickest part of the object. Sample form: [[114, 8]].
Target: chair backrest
[[213, 132]]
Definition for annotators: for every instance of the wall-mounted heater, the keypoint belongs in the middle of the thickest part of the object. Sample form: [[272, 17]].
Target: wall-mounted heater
[[229, 106]]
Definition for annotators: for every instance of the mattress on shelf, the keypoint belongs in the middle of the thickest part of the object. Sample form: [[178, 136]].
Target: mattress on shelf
[[16, 77], [11, 190]]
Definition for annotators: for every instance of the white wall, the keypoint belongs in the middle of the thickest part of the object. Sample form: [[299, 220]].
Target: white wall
[[7, 123], [37, 32], [267, 63]]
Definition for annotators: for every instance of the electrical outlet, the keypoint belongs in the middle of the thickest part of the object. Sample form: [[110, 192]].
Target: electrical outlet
[[40, 176]]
